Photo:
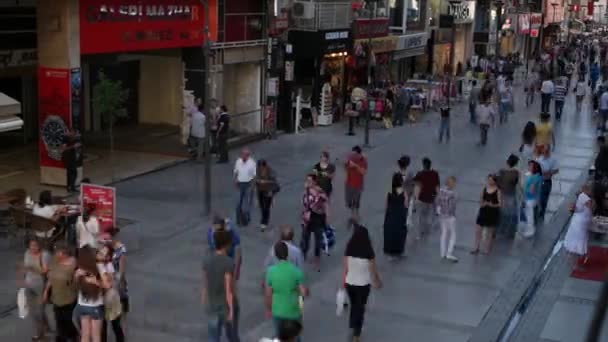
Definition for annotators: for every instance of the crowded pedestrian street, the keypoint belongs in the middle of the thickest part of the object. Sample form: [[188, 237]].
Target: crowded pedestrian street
[[423, 298]]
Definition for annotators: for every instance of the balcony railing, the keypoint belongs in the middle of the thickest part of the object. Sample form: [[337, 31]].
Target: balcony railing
[[327, 16]]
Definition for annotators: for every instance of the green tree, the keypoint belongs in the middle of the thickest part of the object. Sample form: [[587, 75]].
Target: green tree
[[109, 98]]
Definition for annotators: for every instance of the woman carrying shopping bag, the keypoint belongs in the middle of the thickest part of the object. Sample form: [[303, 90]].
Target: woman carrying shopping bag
[[360, 273]]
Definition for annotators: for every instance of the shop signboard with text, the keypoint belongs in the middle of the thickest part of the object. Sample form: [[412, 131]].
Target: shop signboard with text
[[54, 116], [381, 45], [103, 199], [536, 20], [523, 24], [370, 28], [18, 58], [335, 41], [108, 26], [462, 11]]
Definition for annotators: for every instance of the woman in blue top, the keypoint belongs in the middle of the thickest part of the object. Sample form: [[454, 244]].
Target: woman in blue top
[[532, 186]]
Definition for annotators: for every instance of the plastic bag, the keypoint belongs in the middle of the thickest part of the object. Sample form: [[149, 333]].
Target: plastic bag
[[340, 301], [22, 303], [410, 213], [329, 239]]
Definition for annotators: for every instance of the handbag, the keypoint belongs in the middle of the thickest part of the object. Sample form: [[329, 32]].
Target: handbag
[[112, 304], [22, 303]]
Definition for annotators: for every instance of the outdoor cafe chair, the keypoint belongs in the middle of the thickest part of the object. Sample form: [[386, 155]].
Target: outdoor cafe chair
[[44, 226]]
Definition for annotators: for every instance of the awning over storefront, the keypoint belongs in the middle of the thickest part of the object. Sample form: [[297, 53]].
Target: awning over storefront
[[409, 53], [9, 108]]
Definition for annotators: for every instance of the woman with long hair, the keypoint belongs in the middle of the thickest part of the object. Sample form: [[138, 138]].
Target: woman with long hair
[[395, 218], [112, 304], [92, 279], [488, 217], [360, 273], [528, 136], [34, 271]]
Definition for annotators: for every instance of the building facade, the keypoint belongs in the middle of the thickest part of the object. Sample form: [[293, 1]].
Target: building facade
[[73, 44]]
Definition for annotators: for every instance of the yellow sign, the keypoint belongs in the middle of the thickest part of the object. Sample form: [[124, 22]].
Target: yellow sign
[[383, 44]]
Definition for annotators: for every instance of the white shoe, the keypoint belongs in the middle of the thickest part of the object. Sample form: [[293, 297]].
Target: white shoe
[[452, 258]]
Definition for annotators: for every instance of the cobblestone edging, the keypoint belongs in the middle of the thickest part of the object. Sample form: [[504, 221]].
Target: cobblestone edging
[[509, 300]]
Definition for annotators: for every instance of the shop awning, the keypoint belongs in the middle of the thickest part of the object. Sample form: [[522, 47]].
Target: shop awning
[[9, 108], [397, 55]]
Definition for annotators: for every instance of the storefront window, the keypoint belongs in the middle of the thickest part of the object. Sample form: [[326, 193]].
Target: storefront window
[[396, 13], [482, 19], [413, 12]]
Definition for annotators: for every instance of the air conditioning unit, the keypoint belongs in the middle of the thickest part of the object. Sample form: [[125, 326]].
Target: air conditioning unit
[[303, 10]]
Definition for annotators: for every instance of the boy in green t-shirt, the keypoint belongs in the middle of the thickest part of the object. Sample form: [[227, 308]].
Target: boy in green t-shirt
[[284, 286]]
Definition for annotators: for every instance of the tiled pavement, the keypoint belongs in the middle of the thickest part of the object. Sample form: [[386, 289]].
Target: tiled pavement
[[423, 299]]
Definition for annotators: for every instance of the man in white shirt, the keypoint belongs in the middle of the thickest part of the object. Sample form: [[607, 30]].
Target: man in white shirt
[[197, 133], [245, 170], [546, 91], [485, 116], [87, 228]]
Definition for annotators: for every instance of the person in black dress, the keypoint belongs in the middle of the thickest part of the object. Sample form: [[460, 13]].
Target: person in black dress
[[488, 217], [395, 219]]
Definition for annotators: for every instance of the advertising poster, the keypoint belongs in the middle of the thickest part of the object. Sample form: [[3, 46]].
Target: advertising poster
[[523, 24], [76, 92], [54, 114], [104, 200], [117, 25]]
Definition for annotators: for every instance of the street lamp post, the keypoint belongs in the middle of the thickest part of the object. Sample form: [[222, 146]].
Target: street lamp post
[[371, 7], [207, 109], [498, 5]]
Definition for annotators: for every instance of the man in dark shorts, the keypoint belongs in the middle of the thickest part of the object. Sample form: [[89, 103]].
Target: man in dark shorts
[[356, 168]]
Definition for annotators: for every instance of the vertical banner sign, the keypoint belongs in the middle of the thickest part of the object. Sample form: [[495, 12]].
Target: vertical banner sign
[[103, 198], [54, 114], [76, 91]]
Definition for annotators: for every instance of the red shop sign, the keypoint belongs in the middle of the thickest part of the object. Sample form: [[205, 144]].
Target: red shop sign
[[54, 114], [103, 198], [536, 20], [370, 28], [132, 25]]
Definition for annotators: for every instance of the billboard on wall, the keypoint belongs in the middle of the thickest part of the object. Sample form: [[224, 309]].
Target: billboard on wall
[[523, 24], [103, 198], [108, 26], [54, 114]]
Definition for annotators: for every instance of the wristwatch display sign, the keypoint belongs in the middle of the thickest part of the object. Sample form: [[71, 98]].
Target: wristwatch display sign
[[54, 96]]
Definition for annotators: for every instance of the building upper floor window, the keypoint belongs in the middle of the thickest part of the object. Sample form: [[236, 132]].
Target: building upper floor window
[[412, 10]]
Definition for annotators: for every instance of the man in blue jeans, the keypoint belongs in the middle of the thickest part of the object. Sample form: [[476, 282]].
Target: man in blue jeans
[[218, 291], [245, 170], [549, 168]]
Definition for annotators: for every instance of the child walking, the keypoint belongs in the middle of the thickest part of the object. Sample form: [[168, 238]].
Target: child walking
[[446, 208]]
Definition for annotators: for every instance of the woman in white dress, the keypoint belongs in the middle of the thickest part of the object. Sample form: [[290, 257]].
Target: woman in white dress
[[576, 238]]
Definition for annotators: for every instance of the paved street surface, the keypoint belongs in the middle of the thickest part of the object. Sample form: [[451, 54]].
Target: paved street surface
[[423, 299]]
